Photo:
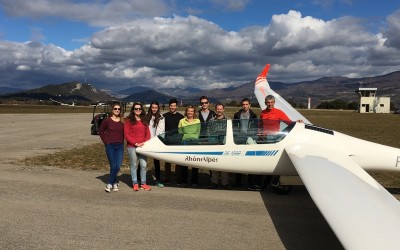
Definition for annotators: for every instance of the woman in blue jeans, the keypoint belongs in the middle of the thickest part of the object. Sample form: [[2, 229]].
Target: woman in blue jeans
[[137, 132], [112, 134]]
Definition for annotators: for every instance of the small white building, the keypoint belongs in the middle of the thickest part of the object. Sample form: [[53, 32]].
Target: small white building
[[370, 103]]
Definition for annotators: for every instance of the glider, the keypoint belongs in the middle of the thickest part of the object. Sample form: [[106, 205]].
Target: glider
[[332, 166]]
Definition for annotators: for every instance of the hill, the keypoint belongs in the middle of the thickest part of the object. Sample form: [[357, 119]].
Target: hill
[[67, 92], [330, 88], [8, 90], [323, 89], [133, 90], [148, 96]]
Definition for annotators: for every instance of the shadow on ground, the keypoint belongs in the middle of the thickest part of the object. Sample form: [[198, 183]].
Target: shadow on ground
[[296, 218], [298, 221], [124, 178]]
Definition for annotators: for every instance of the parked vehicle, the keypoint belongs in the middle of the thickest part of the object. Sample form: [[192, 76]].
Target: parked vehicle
[[104, 109]]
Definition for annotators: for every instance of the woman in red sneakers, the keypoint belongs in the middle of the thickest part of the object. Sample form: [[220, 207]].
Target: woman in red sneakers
[[136, 131]]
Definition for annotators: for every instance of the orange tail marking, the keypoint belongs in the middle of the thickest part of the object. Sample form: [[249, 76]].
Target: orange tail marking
[[263, 74], [265, 71]]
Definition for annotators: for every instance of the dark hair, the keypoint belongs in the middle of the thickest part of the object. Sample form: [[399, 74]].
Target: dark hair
[[245, 100], [203, 97], [173, 100], [121, 115], [219, 104], [157, 115], [142, 115]]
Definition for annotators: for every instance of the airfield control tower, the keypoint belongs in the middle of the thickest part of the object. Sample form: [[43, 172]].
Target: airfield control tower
[[370, 103]]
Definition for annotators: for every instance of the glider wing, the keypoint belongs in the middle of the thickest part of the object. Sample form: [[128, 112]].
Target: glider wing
[[362, 213]]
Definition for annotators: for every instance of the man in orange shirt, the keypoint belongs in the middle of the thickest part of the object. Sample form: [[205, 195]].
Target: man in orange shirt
[[271, 117]]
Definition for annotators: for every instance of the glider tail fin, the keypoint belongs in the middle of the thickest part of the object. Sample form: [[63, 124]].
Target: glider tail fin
[[262, 89]]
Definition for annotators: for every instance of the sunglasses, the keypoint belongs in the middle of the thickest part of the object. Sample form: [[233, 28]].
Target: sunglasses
[[203, 103], [137, 108], [116, 109]]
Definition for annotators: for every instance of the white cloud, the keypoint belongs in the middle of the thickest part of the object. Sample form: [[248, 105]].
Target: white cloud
[[130, 73], [187, 51], [393, 31], [295, 33], [23, 67]]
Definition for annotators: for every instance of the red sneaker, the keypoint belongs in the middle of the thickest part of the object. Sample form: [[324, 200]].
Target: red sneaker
[[145, 187], [135, 187]]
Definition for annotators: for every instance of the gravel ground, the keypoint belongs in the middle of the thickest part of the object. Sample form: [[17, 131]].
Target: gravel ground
[[51, 208]]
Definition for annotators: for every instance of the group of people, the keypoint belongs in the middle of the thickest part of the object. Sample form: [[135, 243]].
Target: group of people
[[139, 126]]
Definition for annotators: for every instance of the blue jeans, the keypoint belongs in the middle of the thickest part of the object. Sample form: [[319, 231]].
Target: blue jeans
[[133, 157], [115, 154]]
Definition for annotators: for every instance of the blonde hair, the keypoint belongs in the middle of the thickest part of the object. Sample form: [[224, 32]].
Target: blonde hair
[[194, 109]]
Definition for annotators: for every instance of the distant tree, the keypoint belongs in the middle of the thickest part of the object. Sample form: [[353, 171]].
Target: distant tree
[[338, 104], [296, 105], [293, 103], [352, 106], [301, 106], [232, 104], [392, 106], [323, 105]]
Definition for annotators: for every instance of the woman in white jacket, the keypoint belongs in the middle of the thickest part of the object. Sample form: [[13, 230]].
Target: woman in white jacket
[[157, 126]]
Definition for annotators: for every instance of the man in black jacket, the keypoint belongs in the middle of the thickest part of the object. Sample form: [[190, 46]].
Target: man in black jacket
[[205, 114], [172, 119], [244, 120]]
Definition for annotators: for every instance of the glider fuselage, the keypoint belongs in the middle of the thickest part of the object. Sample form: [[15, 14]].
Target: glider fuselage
[[249, 154]]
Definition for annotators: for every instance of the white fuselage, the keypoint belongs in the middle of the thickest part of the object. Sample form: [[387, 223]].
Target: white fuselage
[[272, 158]]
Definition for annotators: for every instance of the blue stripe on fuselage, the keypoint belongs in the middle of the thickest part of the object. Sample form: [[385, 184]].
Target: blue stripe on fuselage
[[193, 153], [262, 153], [248, 153]]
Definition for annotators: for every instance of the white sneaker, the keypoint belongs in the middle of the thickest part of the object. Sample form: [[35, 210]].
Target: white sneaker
[[115, 187], [108, 188]]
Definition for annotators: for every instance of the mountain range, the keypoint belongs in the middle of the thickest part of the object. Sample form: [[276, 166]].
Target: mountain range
[[323, 89], [7, 90], [70, 92]]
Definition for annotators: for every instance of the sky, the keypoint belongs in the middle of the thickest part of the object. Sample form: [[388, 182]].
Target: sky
[[119, 44]]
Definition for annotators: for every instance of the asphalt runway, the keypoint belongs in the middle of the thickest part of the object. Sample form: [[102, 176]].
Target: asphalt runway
[[51, 208]]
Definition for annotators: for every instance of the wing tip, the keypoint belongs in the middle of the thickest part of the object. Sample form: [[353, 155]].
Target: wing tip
[[264, 73]]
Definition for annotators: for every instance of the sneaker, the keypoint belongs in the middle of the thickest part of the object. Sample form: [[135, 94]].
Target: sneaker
[[145, 187], [135, 187], [159, 184], [275, 181], [115, 187], [108, 188], [254, 188]]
